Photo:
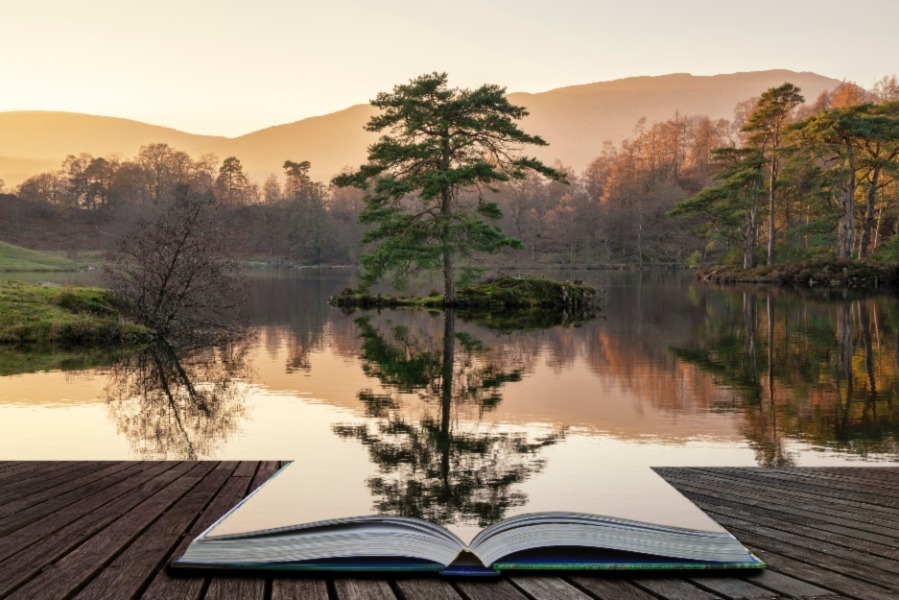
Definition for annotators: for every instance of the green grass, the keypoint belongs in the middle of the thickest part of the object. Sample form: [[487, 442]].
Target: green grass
[[16, 258], [49, 314]]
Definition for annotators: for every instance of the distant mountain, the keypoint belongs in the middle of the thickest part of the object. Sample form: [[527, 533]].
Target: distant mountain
[[575, 120]]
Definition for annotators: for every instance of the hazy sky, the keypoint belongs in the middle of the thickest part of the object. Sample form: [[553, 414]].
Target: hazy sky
[[229, 67]]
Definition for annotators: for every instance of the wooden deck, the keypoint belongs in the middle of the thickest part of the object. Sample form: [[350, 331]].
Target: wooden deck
[[107, 529]]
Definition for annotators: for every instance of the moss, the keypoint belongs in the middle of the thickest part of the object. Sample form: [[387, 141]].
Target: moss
[[539, 295], [16, 258], [62, 314]]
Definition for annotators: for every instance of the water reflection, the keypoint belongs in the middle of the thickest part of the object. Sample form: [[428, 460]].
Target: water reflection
[[179, 402], [432, 463], [773, 378], [822, 371]]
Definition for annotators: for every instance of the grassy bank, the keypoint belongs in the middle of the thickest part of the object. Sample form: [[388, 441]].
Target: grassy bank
[[51, 314], [490, 296], [850, 275], [18, 259]]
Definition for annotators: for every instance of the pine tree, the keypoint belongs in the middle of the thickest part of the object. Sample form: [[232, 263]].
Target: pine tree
[[765, 127], [425, 177]]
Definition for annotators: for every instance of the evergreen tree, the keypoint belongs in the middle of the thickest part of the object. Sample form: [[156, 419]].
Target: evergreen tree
[[425, 177], [765, 128], [231, 181], [730, 210]]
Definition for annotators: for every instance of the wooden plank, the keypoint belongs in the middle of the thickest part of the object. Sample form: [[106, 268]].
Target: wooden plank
[[75, 569], [299, 589], [849, 496], [732, 588], [31, 508], [867, 491], [247, 468], [611, 589], [548, 588], [363, 589], [720, 505], [784, 585], [165, 586], [31, 548], [266, 469], [820, 559], [426, 588], [490, 590], [92, 475], [127, 574], [793, 536], [717, 496], [879, 517], [673, 589], [235, 588], [35, 482], [14, 469], [807, 528], [836, 583]]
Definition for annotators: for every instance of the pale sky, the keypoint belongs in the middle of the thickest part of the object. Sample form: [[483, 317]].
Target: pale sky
[[229, 67]]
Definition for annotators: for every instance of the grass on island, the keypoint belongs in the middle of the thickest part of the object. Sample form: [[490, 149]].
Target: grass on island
[[498, 294], [18, 259], [53, 314]]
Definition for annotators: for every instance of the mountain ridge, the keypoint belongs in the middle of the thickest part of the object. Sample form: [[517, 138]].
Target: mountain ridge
[[574, 119]]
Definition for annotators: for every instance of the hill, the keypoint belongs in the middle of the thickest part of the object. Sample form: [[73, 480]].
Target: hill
[[575, 120]]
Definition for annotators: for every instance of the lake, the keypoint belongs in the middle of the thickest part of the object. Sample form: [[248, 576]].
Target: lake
[[434, 415]]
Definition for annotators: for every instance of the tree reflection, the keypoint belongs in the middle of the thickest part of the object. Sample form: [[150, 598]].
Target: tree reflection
[[179, 402], [435, 465], [825, 372]]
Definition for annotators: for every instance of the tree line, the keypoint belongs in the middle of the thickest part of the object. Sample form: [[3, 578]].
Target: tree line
[[805, 181], [784, 180]]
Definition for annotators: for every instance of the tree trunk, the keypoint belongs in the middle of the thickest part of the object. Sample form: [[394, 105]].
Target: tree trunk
[[449, 266], [868, 224], [752, 234], [846, 231], [772, 182]]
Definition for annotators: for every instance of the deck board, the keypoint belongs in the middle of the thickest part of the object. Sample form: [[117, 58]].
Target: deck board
[[107, 529]]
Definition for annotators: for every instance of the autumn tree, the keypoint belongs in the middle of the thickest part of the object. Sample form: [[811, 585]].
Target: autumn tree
[[425, 177]]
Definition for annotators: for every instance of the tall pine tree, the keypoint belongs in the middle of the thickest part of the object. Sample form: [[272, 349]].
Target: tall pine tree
[[425, 177]]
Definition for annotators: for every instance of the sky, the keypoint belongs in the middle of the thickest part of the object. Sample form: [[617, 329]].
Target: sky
[[229, 67]]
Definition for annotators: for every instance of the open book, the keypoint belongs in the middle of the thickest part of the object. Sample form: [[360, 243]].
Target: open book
[[267, 530]]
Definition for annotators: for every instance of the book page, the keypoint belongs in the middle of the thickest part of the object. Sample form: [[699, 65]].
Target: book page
[[577, 476]]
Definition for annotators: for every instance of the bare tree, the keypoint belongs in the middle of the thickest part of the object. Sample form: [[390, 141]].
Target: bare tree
[[175, 273]]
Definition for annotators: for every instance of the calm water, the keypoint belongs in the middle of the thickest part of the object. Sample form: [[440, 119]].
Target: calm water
[[436, 416]]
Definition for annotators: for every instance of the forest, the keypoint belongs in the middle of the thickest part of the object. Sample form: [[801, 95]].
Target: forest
[[787, 179]]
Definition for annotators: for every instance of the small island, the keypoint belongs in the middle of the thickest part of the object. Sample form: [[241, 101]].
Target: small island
[[502, 293]]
